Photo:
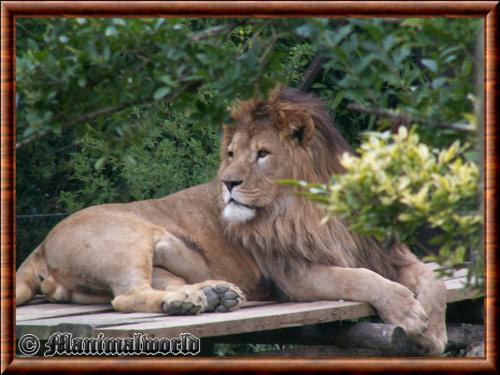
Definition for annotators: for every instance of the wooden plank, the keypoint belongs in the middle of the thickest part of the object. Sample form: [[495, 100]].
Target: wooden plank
[[462, 272], [433, 266], [81, 324], [257, 319], [244, 320], [456, 290], [456, 274], [96, 319], [43, 309], [248, 304], [50, 310]]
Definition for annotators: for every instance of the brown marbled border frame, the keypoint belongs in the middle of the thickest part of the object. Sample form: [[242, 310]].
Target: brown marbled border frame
[[488, 10]]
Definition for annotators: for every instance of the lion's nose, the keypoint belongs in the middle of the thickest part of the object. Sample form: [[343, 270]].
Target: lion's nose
[[230, 184]]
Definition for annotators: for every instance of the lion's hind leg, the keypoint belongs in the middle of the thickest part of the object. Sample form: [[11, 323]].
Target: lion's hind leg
[[147, 293], [56, 292], [133, 290], [147, 299], [431, 293], [221, 296]]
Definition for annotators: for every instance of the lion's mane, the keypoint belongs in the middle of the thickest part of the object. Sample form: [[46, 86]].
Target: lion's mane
[[287, 236]]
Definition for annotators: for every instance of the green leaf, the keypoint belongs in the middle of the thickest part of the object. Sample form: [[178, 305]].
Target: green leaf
[[161, 93], [159, 23], [305, 30], [100, 163], [341, 34], [431, 64], [111, 31], [336, 101], [166, 79], [438, 82], [314, 197], [466, 67], [106, 53], [290, 182], [388, 43]]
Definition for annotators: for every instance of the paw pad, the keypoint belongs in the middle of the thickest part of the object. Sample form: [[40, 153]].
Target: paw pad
[[180, 308], [222, 298]]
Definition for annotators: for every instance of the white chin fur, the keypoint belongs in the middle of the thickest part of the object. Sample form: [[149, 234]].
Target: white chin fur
[[226, 195], [238, 214]]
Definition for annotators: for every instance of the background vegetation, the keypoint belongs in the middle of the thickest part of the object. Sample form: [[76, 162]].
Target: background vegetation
[[113, 110]]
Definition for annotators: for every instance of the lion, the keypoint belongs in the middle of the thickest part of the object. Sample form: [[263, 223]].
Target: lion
[[205, 248]]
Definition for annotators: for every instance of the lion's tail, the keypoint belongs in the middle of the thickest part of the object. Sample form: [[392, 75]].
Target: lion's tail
[[30, 275]]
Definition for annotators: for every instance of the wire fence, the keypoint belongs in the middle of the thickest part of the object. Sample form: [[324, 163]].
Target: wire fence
[[41, 215]]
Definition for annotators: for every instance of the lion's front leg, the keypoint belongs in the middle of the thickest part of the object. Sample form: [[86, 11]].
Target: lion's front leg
[[395, 303], [431, 293]]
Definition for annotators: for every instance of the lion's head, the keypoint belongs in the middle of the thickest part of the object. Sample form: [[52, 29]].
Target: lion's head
[[287, 135]]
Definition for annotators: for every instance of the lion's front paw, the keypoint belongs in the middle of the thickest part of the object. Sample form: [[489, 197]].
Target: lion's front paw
[[400, 307], [432, 343], [184, 303], [222, 296]]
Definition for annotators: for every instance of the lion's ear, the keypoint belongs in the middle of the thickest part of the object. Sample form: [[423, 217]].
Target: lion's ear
[[302, 129], [228, 133], [296, 121]]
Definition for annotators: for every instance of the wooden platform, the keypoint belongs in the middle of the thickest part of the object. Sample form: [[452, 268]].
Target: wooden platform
[[42, 318]]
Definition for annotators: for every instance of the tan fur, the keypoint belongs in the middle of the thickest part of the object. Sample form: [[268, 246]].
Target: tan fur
[[144, 254]]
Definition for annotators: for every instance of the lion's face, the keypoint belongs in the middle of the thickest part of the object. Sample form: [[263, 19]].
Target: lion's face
[[287, 135], [252, 162]]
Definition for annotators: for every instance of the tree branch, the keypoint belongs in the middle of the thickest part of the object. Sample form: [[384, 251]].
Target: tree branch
[[31, 139], [406, 119], [312, 72], [212, 32], [106, 111], [264, 59]]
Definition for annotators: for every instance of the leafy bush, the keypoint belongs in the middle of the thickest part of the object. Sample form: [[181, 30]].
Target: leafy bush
[[398, 186], [77, 71], [69, 70], [169, 154], [421, 67]]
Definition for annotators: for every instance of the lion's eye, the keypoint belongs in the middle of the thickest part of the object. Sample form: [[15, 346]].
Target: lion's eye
[[230, 154], [262, 154]]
